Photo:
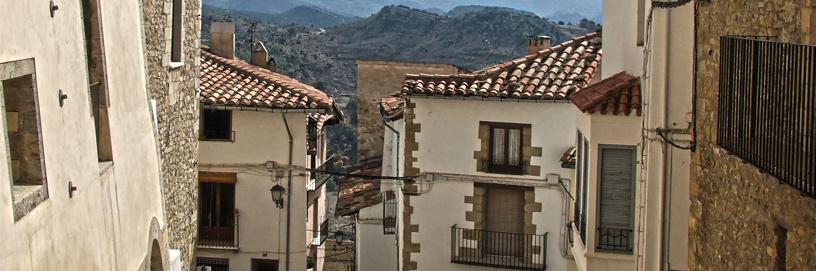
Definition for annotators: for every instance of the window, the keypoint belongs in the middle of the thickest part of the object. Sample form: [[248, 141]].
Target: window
[[264, 265], [389, 212], [216, 125], [616, 198], [581, 185], [23, 137], [215, 264], [505, 148], [504, 207], [177, 29], [217, 214], [97, 77], [641, 22], [781, 262]]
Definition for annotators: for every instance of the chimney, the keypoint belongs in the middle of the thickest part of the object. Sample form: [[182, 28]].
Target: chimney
[[222, 39], [537, 43], [259, 56]]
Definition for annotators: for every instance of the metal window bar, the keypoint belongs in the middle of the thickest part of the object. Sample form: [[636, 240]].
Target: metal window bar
[[214, 264], [219, 236], [766, 113], [322, 177], [615, 239], [517, 251], [389, 212]]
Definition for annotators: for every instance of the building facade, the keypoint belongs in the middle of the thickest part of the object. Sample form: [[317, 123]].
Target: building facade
[[84, 184], [172, 31], [261, 208], [492, 192], [752, 178]]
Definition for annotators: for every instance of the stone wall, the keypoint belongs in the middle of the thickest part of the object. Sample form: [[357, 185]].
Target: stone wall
[[742, 218], [174, 90], [377, 79]]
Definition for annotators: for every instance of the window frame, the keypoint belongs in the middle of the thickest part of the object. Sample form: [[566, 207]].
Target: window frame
[[505, 168], [230, 132], [255, 263], [599, 193]]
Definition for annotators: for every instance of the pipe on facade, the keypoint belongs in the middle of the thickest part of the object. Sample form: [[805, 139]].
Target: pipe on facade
[[289, 193], [665, 203], [396, 165]]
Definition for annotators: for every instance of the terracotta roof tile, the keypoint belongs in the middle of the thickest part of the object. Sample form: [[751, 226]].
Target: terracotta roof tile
[[551, 74], [234, 82], [392, 106], [357, 193], [618, 94]]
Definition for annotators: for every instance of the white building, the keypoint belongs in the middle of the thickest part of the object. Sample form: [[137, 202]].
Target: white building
[[261, 132], [82, 188], [483, 151], [631, 189]]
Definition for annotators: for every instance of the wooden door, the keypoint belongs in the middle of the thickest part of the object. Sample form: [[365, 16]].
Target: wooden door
[[504, 220]]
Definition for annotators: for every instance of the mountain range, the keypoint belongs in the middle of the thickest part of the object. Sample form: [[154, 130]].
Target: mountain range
[[590, 9]]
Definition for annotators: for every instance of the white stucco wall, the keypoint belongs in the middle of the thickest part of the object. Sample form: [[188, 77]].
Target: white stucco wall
[[106, 225], [375, 250], [620, 49], [443, 149], [668, 98], [262, 137]]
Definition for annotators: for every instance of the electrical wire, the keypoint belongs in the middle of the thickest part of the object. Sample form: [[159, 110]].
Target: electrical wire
[[661, 133], [669, 4]]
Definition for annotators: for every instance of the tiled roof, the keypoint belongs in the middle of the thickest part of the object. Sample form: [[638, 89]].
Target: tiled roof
[[357, 193], [618, 94], [568, 158], [234, 82], [551, 74], [392, 106]]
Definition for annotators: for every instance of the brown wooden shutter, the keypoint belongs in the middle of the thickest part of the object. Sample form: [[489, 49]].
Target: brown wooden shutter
[[504, 216], [217, 177]]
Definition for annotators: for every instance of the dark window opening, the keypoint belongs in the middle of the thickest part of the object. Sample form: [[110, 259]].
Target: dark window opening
[[264, 265], [506, 149], [217, 216], [781, 262], [215, 264], [95, 60], [175, 44], [216, 124]]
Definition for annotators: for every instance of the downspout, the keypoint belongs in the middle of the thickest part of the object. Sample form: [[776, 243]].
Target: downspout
[[667, 151], [396, 225], [289, 194]]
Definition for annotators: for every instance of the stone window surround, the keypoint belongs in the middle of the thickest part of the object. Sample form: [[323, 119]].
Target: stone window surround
[[528, 151], [24, 200]]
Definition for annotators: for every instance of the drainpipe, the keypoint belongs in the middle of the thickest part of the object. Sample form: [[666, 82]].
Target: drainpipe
[[396, 225], [289, 193], [666, 202]]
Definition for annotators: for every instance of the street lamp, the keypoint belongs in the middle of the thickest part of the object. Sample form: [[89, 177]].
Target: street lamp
[[277, 195]]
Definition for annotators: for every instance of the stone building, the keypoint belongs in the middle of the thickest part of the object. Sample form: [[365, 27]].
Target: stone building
[[172, 30], [376, 79], [83, 188], [752, 174]]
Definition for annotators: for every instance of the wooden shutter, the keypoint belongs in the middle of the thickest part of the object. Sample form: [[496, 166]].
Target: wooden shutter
[[617, 188], [505, 214]]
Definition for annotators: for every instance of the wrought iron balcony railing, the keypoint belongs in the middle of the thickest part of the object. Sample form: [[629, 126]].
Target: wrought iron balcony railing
[[320, 235], [222, 237], [612, 239], [321, 176], [499, 249]]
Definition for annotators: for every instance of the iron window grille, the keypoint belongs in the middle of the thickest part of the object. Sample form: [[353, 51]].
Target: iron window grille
[[766, 112], [389, 212]]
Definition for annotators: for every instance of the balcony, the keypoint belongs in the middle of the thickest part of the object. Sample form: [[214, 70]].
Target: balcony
[[765, 113], [612, 239], [499, 249], [219, 237]]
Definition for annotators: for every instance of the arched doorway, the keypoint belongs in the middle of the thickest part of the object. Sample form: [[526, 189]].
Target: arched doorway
[[156, 263]]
